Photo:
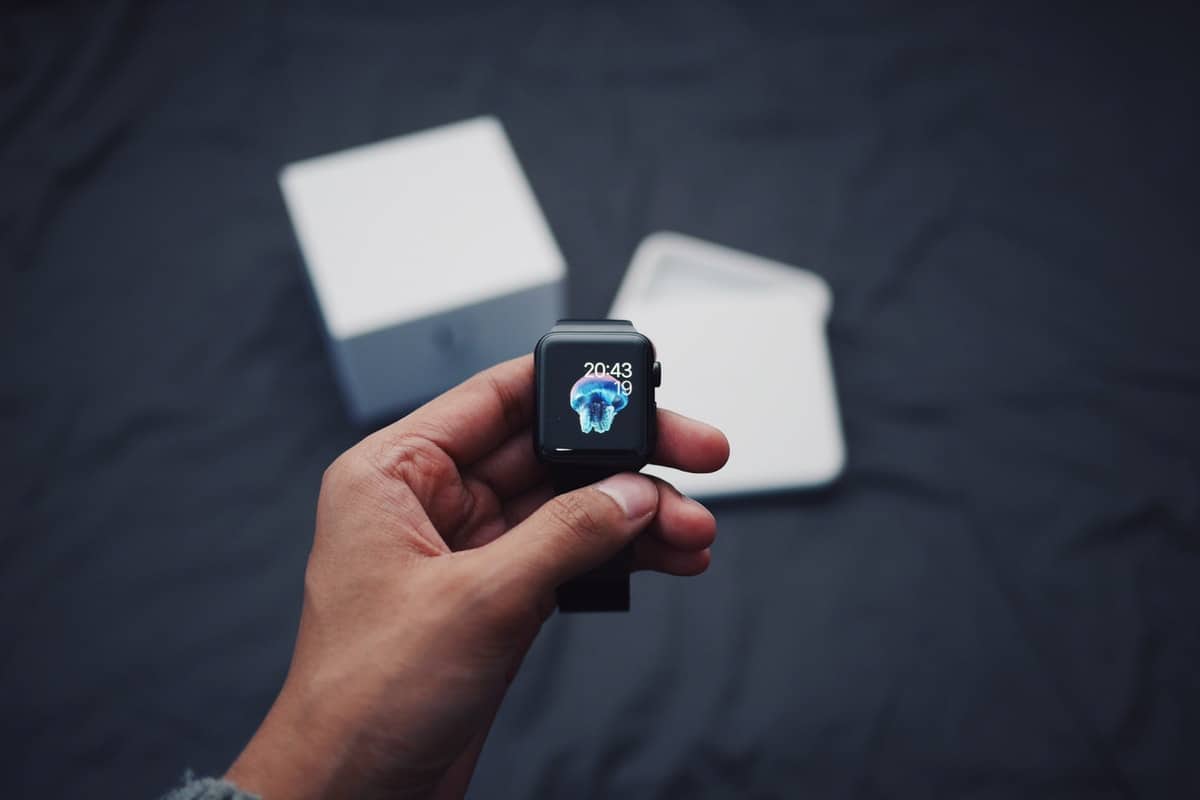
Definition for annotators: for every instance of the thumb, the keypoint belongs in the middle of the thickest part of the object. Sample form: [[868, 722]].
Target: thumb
[[576, 531]]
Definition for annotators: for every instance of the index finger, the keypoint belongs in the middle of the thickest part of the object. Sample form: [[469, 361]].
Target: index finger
[[477, 416], [683, 443]]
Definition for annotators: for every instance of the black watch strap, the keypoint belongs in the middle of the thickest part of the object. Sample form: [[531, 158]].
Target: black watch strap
[[591, 325], [605, 588]]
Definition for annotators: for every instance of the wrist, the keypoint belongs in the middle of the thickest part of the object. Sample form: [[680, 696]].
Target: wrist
[[307, 749], [296, 753]]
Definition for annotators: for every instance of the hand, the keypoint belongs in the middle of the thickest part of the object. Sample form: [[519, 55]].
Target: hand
[[438, 548]]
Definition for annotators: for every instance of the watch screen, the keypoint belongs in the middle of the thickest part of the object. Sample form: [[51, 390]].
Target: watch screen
[[593, 392]]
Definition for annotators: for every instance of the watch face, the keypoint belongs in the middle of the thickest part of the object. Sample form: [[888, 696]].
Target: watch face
[[594, 396]]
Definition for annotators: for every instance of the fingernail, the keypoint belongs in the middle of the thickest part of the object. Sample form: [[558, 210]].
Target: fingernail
[[635, 494]]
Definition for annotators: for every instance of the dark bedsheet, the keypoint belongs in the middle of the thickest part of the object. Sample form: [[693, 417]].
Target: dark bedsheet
[[1001, 598]]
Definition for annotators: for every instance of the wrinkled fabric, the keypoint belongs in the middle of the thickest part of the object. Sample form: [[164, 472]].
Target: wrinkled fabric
[[999, 599]]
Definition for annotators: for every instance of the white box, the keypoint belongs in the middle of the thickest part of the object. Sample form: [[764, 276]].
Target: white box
[[742, 343], [429, 259]]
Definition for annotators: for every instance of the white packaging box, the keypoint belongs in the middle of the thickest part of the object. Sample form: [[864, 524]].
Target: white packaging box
[[429, 259], [742, 340]]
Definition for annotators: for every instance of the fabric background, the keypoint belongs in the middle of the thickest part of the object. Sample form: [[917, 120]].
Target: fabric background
[[1000, 599]]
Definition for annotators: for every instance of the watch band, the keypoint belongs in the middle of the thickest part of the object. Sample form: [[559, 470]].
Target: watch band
[[590, 325], [605, 588]]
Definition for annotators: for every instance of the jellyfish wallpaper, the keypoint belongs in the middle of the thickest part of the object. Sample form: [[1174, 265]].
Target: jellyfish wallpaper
[[597, 399]]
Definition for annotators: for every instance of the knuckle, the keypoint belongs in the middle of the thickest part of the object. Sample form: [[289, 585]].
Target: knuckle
[[416, 461], [345, 473], [400, 455], [404, 457], [408, 456]]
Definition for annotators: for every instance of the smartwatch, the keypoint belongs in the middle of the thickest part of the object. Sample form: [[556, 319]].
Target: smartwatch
[[595, 416]]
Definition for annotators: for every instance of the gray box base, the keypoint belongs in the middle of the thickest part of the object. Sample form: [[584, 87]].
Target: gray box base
[[387, 372]]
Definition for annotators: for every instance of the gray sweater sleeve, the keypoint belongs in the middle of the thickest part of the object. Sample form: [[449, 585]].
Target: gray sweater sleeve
[[194, 788]]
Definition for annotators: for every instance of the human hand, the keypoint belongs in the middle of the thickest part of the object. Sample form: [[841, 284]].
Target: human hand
[[439, 544]]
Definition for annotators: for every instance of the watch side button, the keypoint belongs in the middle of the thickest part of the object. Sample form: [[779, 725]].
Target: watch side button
[[656, 373]]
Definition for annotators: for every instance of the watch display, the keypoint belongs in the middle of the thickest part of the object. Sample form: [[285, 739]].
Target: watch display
[[594, 396]]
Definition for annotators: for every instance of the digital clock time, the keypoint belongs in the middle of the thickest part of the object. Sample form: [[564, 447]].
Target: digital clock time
[[621, 370]]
